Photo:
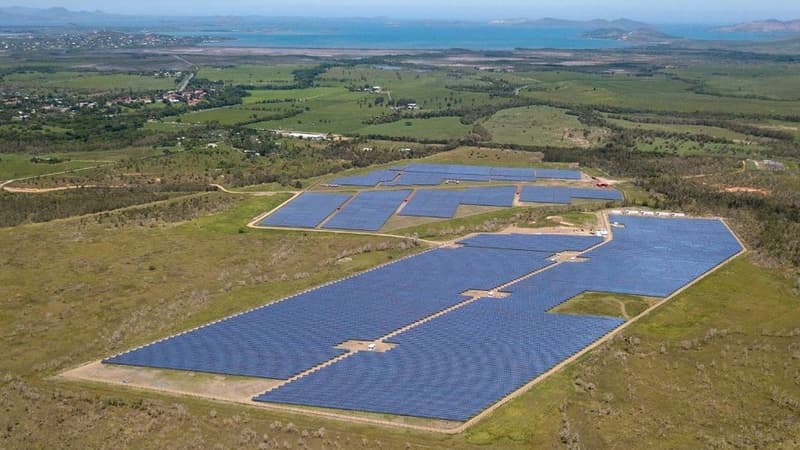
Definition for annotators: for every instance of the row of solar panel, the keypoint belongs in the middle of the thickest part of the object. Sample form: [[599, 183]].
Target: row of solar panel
[[565, 195], [452, 367], [435, 174], [285, 338], [370, 179], [536, 242], [511, 173], [306, 211], [444, 203], [367, 211]]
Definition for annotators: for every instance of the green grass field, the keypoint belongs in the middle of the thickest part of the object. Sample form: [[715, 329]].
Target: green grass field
[[540, 126], [777, 125], [237, 114], [437, 128], [485, 156], [656, 93], [15, 165], [251, 74], [690, 147], [271, 95], [602, 304], [722, 133], [767, 80], [429, 89], [339, 112], [87, 81]]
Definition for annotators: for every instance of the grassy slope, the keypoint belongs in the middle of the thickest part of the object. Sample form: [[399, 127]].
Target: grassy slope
[[690, 147], [657, 93], [774, 81], [723, 133], [88, 81], [337, 112], [249, 74], [236, 114], [535, 125], [271, 95], [605, 304], [16, 165], [440, 128]]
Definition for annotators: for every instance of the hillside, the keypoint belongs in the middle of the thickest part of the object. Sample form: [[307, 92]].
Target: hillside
[[763, 26], [549, 22], [641, 35], [24, 16]]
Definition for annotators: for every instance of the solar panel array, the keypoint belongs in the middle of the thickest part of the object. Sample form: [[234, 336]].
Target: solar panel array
[[433, 203], [368, 211], [282, 339], [368, 180], [444, 203], [558, 174], [650, 256], [420, 174], [417, 179], [451, 367], [533, 242], [565, 195], [459, 363], [307, 210], [502, 196]]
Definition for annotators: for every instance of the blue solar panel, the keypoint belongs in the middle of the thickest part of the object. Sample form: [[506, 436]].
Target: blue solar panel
[[370, 179], [473, 173], [284, 338], [422, 174], [502, 196], [433, 203], [368, 211], [307, 210], [565, 195], [513, 174], [558, 174], [541, 243], [449, 169], [599, 194], [545, 194], [417, 179], [444, 203], [451, 367], [650, 256]]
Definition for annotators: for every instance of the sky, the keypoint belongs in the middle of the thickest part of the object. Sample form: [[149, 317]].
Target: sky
[[672, 11]]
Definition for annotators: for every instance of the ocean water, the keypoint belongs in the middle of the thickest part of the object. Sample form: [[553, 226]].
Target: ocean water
[[385, 33]]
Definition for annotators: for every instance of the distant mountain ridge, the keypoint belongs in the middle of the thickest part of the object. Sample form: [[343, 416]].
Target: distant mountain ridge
[[549, 22], [638, 36], [763, 26], [25, 16]]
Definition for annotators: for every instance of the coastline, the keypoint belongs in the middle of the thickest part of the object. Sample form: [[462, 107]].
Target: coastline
[[289, 51]]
